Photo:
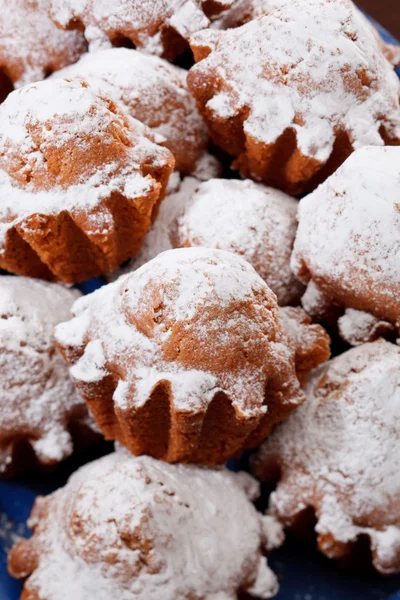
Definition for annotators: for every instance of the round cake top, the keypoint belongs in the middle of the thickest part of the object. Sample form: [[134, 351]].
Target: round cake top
[[138, 528], [200, 319], [64, 147], [154, 92], [243, 11], [38, 399], [252, 220], [346, 466], [31, 46], [312, 66], [349, 232], [155, 26]]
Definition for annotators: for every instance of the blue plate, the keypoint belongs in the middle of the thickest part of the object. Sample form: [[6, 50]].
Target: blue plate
[[304, 574]]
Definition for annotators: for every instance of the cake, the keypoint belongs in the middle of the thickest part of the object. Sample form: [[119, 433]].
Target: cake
[[154, 92], [41, 413], [135, 528], [80, 181], [243, 11], [31, 46], [185, 359], [309, 341], [291, 94], [257, 222], [160, 27], [337, 456], [158, 238], [347, 244]]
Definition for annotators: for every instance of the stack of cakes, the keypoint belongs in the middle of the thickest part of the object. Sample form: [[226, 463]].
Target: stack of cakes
[[177, 187]]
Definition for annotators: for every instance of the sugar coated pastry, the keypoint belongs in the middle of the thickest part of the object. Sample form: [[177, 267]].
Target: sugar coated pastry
[[338, 454], [293, 93], [309, 341], [243, 11], [347, 242], [31, 46], [185, 359], [137, 529], [156, 26], [40, 409], [249, 219], [155, 93], [80, 181], [159, 238]]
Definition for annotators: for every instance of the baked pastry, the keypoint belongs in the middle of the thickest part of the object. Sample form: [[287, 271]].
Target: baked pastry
[[31, 46], [309, 341], [243, 11], [346, 466], [185, 359], [155, 93], [159, 237], [249, 219], [135, 528], [347, 242], [291, 113], [160, 27], [80, 181], [40, 409]]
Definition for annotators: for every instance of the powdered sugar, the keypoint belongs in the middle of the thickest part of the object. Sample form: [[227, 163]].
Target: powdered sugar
[[315, 67], [147, 24], [346, 466], [130, 527], [358, 327], [154, 92], [254, 221], [194, 300], [31, 45], [38, 399], [348, 239], [159, 237], [45, 125]]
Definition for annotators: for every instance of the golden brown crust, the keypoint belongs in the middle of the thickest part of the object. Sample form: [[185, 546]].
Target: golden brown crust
[[43, 419], [310, 342], [214, 382], [345, 266], [93, 174], [334, 459], [157, 27], [31, 45], [122, 523], [154, 92], [305, 125]]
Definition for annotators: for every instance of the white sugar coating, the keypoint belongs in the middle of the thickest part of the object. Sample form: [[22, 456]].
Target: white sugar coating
[[127, 528], [194, 294], [314, 66], [349, 232], [154, 92], [142, 22], [257, 222], [159, 237], [339, 452], [43, 118], [243, 11], [358, 327], [30, 43], [38, 399]]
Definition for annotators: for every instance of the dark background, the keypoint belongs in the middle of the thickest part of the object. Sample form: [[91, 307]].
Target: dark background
[[387, 12]]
